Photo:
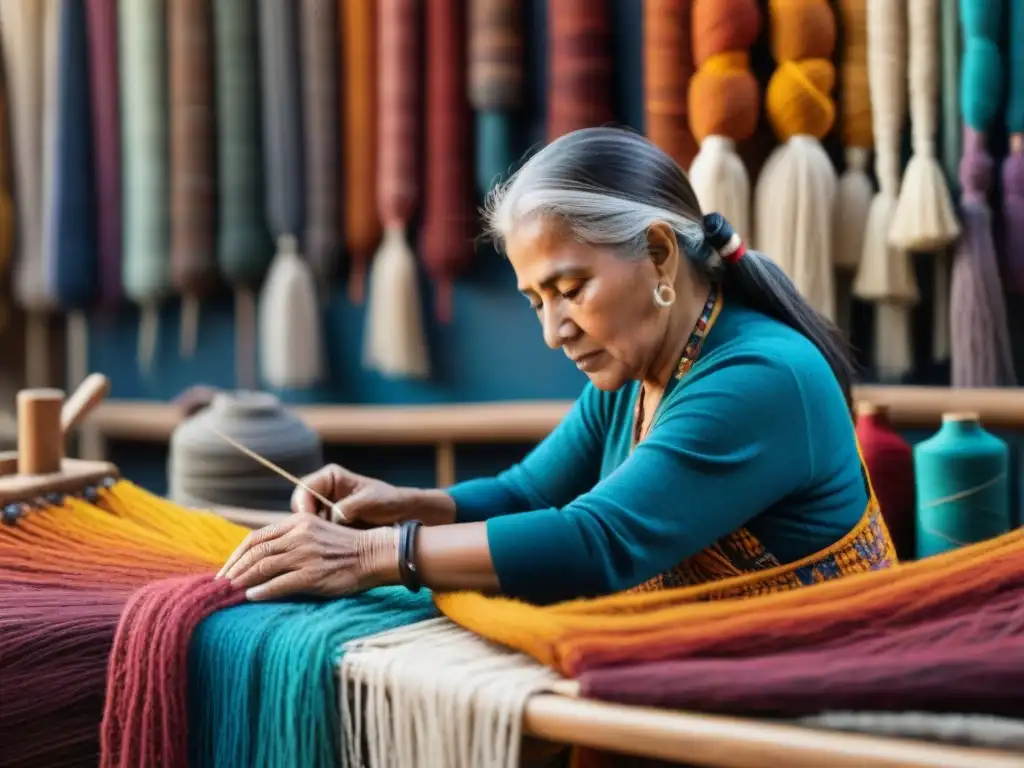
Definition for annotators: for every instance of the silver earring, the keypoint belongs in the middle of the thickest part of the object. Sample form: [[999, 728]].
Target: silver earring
[[664, 295]]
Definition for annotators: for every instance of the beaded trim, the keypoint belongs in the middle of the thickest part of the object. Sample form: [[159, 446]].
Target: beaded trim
[[700, 331]]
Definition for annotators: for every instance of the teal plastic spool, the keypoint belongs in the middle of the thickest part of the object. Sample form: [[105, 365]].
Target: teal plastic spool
[[963, 485]]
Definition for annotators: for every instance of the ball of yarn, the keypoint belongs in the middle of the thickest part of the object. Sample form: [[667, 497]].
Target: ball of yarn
[[204, 469], [802, 29], [723, 25], [890, 463], [963, 486]]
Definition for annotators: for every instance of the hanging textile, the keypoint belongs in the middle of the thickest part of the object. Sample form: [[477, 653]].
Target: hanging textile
[[855, 190], [394, 344], [290, 322], [22, 30], [243, 246], [579, 93], [668, 67], [1013, 165], [952, 127], [449, 206], [496, 81], [981, 353], [796, 192], [70, 257], [924, 220], [724, 105], [193, 164], [359, 122], [146, 268], [6, 201], [106, 149], [318, 35], [885, 276]]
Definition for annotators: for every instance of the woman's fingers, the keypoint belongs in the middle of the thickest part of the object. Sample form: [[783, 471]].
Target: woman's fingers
[[285, 585], [262, 568], [330, 481], [254, 539]]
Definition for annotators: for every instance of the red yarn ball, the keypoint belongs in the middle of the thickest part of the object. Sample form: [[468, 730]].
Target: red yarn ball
[[890, 462]]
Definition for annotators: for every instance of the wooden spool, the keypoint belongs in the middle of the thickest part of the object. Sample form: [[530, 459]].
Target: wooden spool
[[40, 466]]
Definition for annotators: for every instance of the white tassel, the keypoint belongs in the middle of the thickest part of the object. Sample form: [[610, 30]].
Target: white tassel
[[395, 344], [853, 201], [291, 334], [721, 182], [796, 194]]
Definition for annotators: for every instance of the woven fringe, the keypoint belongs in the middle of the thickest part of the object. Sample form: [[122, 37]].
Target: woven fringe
[[433, 694]]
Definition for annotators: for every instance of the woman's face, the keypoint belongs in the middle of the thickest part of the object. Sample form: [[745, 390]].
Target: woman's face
[[592, 304]]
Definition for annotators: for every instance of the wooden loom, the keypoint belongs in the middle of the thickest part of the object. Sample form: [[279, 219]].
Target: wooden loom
[[40, 467]]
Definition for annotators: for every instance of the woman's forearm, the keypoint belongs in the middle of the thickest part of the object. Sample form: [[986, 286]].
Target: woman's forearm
[[430, 506]]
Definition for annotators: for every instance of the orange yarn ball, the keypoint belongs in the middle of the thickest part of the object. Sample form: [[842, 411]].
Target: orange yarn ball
[[802, 29], [723, 25]]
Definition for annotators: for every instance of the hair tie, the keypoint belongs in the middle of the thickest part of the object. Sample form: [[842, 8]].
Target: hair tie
[[723, 238]]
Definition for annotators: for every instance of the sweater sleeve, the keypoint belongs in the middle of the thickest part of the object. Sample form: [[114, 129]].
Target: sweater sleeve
[[725, 449], [561, 467]]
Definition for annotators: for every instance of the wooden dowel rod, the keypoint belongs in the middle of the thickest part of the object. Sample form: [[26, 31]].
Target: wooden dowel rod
[[531, 421], [40, 438], [445, 459], [728, 742]]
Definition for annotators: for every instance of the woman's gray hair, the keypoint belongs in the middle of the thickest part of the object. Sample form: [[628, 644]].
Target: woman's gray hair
[[609, 185], [554, 184]]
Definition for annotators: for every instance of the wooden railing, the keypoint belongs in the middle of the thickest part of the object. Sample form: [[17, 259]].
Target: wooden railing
[[448, 425]]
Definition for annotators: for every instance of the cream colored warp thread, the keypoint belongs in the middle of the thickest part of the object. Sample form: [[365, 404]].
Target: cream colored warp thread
[[925, 220], [434, 694], [885, 275]]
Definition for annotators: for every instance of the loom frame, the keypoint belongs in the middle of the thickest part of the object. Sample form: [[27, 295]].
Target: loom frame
[[559, 716]]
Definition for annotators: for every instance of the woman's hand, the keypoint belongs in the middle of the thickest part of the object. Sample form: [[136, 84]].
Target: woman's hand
[[369, 501], [306, 555]]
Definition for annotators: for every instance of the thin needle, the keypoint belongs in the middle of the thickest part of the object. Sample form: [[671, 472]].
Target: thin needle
[[270, 465]]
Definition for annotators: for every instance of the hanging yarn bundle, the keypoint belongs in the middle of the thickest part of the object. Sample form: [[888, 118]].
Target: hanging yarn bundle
[[579, 83], [796, 191], [6, 201], [290, 323], [318, 35], [981, 353], [1013, 165], [890, 465], [963, 485], [855, 190], [104, 81], [952, 125], [885, 276], [193, 181], [924, 220], [449, 204], [724, 102], [243, 247], [395, 343], [146, 269], [496, 75], [668, 67], [359, 31], [23, 48], [204, 469], [70, 259]]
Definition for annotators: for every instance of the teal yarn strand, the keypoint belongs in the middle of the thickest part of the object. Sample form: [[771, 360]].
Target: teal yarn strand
[[951, 128], [263, 683], [494, 154], [1015, 96], [981, 68], [963, 486]]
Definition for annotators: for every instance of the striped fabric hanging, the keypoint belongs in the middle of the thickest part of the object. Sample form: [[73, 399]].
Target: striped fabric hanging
[[724, 103], [193, 162], [6, 200], [496, 78], [394, 344], [69, 232], [318, 35], [449, 206], [579, 66], [106, 145], [146, 267], [668, 67], [290, 322], [981, 351], [243, 246], [358, 20], [22, 30]]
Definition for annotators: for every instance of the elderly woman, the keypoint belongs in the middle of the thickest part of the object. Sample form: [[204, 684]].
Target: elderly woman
[[713, 439]]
